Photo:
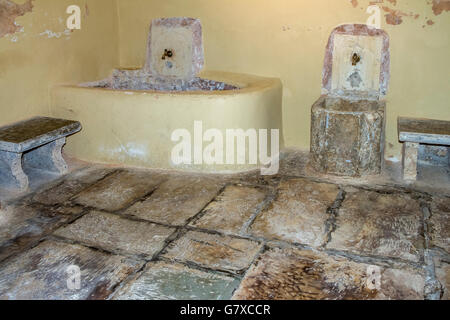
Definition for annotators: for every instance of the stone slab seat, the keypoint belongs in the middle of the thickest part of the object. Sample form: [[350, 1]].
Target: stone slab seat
[[414, 132], [35, 143]]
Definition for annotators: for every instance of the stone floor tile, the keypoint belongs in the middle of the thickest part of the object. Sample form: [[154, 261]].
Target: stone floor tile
[[116, 234], [386, 225], [119, 189], [298, 214], [22, 225], [231, 211], [177, 200], [216, 252], [164, 281], [292, 274], [254, 178], [74, 210], [439, 223], [376, 224], [42, 273], [441, 263], [293, 163], [71, 185], [443, 276]]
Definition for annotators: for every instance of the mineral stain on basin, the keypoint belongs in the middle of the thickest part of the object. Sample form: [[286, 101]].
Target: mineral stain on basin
[[129, 117]]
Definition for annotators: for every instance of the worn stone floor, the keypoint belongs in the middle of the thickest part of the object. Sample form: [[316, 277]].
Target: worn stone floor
[[149, 234]]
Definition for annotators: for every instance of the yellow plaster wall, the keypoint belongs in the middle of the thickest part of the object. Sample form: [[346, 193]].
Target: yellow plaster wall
[[287, 38], [43, 54]]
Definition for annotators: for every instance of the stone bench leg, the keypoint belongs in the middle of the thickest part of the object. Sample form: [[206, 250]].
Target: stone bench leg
[[448, 156], [47, 157], [410, 158], [12, 175]]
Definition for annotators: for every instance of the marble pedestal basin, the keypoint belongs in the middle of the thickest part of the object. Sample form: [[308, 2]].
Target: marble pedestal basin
[[348, 120], [347, 137]]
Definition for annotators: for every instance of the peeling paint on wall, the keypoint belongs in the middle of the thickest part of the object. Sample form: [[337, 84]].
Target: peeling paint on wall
[[395, 17], [440, 6], [51, 34], [9, 11]]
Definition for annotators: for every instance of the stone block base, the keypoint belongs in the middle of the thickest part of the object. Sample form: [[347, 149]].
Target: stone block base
[[347, 137]]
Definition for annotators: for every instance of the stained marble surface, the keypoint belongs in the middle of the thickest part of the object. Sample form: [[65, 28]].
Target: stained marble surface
[[29, 134]]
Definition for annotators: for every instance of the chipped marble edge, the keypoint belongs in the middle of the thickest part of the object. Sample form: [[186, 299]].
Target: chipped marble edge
[[318, 106], [425, 138], [175, 21], [357, 30]]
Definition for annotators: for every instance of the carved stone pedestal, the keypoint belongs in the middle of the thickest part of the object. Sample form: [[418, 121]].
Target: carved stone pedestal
[[348, 120]]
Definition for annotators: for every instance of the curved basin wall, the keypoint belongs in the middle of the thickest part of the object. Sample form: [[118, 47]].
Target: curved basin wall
[[135, 127]]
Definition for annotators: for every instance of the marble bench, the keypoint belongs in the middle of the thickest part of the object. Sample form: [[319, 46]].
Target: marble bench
[[35, 143], [414, 132]]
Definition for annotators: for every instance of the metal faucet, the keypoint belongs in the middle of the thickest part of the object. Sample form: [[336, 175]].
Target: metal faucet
[[167, 53]]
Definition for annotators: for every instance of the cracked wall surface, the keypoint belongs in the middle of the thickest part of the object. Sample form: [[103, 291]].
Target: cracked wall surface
[[440, 6], [395, 12], [37, 50], [9, 11]]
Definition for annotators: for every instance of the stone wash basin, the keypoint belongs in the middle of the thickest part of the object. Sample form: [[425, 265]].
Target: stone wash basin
[[138, 116], [347, 136], [347, 121], [134, 127], [174, 60]]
